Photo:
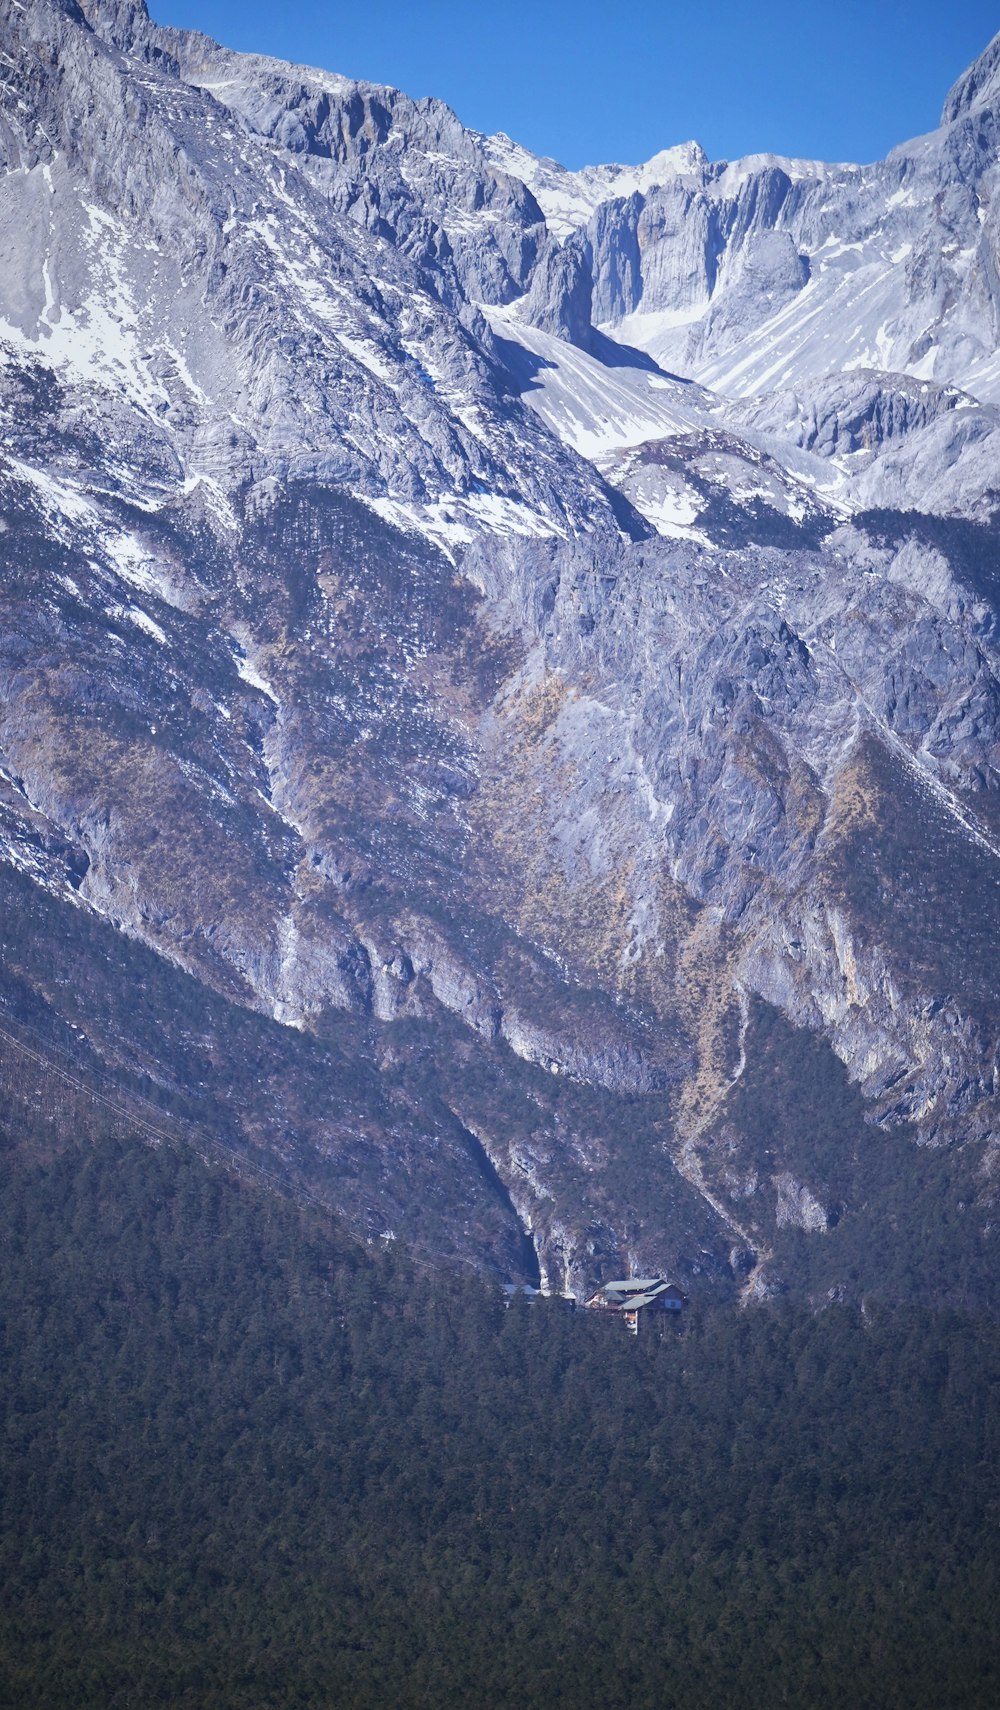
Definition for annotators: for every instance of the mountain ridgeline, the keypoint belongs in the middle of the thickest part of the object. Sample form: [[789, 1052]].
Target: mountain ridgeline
[[499, 705]]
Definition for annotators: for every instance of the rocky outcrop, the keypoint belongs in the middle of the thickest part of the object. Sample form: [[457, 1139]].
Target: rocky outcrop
[[847, 413], [561, 297], [977, 87], [796, 1206]]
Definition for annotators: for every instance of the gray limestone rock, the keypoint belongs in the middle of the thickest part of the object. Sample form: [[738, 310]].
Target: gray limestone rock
[[491, 635]]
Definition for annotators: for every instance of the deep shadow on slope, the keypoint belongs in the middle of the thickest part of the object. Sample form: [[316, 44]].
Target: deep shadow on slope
[[905, 1222]]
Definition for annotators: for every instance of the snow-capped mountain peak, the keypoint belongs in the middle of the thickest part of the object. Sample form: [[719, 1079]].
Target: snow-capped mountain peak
[[569, 199]]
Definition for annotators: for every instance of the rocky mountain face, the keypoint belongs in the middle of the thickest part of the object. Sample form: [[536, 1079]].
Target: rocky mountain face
[[499, 705]]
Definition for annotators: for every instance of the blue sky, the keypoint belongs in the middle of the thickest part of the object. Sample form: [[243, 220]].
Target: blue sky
[[587, 81]]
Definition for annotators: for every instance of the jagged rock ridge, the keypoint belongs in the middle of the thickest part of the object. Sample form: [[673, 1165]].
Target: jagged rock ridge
[[428, 645]]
